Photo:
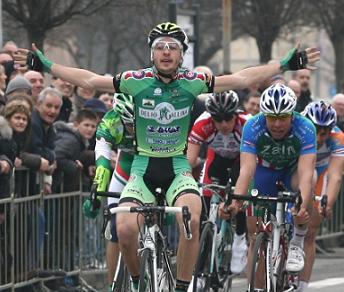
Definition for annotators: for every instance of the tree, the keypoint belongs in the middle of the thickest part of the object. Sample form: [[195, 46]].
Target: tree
[[38, 17], [263, 20], [331, 15]]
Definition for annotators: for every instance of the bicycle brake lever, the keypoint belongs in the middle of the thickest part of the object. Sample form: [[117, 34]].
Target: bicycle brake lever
[[186, 221]]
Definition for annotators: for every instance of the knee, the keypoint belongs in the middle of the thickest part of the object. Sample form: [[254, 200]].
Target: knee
[[126, 232]]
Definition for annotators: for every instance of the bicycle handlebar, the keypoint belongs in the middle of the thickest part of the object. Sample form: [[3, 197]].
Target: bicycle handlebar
[[145, 210]]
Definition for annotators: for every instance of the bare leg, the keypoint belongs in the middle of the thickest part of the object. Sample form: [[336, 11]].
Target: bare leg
[[309, 245], [188, 249], [128, 231]]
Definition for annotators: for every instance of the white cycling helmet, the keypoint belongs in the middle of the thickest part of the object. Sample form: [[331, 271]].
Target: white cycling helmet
[[278, 99], [321, 114]]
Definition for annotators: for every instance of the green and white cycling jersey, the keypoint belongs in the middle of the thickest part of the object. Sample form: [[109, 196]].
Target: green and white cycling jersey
[[162, 111], [111, 135]]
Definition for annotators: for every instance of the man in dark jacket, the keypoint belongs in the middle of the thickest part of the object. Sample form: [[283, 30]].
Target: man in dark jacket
[[42, 140]]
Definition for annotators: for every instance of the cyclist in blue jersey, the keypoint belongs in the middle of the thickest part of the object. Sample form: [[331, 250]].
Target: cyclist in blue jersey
[[278, 144], [329, 168], [163, 97]]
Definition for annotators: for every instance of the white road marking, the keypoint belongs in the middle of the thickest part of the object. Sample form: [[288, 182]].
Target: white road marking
[[326, 283]]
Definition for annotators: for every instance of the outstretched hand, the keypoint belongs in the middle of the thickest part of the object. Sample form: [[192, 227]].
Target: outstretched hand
[[300, 59]]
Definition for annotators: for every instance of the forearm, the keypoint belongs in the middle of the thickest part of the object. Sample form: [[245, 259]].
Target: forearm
[[76, 76], [305, 187], [246, 77], [334, 184]]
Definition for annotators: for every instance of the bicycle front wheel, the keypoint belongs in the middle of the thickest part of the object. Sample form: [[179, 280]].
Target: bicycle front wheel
[[260, 273], [204, 266], [146, 281], [122, 278]]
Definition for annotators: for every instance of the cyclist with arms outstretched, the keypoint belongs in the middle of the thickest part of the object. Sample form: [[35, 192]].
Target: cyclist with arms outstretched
[[220, 127], [115, 132], [277, 144], [329, 168], [163, 97]]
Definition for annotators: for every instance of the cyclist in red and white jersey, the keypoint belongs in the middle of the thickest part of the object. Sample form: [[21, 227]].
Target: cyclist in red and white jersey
[[220, 126]]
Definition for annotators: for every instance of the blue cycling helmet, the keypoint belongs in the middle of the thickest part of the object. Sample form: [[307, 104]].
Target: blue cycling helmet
[[277, 99], [321, 114]]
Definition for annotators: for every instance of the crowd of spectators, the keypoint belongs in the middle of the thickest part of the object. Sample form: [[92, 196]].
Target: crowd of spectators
[[47, 137]]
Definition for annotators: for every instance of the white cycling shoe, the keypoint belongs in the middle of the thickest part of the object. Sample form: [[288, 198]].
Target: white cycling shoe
[[239, 254], [296, 259]]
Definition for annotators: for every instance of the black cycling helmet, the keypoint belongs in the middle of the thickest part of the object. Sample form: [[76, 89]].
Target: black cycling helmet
[[168, 29], [224, 103]]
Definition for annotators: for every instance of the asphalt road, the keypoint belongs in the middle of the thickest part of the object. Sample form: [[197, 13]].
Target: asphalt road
[[328, 274]]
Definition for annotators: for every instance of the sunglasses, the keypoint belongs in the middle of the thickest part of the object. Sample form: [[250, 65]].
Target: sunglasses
[[221, 118], [171, 46], [272, 117]]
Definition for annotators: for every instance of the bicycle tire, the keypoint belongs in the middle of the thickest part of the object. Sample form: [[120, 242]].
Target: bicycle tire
[[202, 273], [146, 281], [260, 251], [122, 278], [224, 256]]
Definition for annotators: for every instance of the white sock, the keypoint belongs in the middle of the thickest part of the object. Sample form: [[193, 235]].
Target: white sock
[[302, 286], [299, 236]]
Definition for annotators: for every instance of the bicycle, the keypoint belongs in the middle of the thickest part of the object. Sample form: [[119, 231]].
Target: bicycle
[[155, 267], [212, 270]]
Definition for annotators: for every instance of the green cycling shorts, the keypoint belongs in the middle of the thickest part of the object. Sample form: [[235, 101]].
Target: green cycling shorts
[[171, 174]]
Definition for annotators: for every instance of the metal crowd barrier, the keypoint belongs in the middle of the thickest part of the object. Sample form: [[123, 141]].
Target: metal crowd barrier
[[42, 235]]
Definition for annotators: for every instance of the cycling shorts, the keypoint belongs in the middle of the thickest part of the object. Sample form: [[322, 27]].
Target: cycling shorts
[[172, 174], [119, 179], [265, 182]]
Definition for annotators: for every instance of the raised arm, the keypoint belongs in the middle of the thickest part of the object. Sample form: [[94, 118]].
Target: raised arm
[[242, 79], [76, 76]]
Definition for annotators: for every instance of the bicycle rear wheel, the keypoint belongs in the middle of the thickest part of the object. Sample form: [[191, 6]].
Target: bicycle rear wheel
[[146, 281], [203, 270], [260, 263], [122, 277]]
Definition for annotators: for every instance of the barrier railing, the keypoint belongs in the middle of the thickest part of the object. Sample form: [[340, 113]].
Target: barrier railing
[[42, 235]]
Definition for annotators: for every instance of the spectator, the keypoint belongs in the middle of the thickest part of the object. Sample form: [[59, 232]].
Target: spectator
[[20, 85], [251, 104], [303, 77], [296, 87], [7, 61], [338, 105], [67, 90], [81, 96], [107, 98], [18, 114], [70, 143], [3, 78], [7, 157], [42, 140], [37, 81], [10, 47]]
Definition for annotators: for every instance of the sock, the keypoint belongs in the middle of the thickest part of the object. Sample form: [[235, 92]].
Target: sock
[[240, 223], [302, 286], [182, 286], [135, 280], [299, 236]]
